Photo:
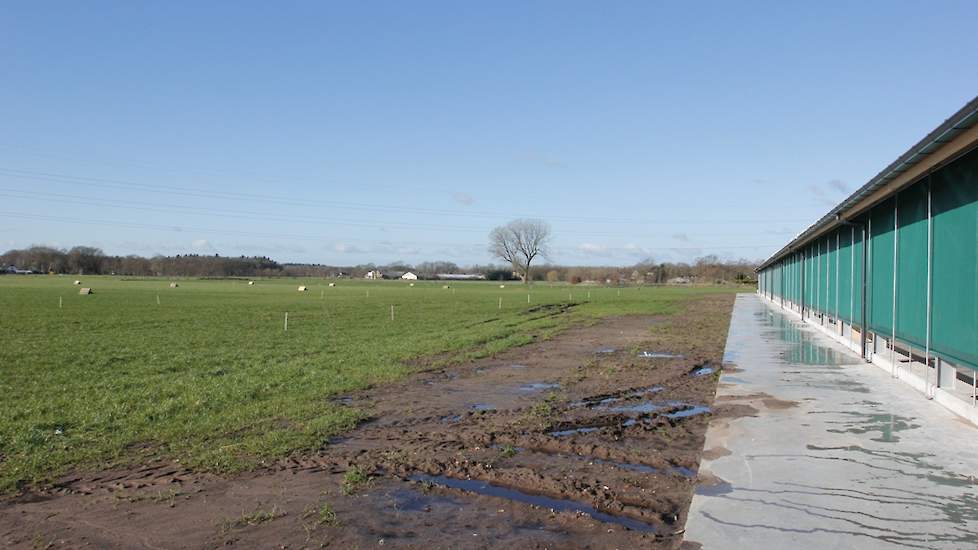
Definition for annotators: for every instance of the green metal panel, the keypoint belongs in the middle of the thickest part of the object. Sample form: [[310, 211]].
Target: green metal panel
[[954, 314], [794, 278], [812, 277], [845, 273], [820, 275], [781, 279], [911, 316], [881, 268], [823, 277], [832, 263], [857, 277]]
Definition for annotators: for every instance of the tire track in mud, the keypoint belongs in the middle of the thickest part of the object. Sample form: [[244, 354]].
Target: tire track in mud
[[625, 457]]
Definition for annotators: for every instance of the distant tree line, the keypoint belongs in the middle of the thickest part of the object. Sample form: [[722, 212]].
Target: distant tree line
[[87, 260], [707, 269], [93, 261]]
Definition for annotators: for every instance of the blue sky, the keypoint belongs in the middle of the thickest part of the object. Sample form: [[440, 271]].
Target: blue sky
[[381, 131]]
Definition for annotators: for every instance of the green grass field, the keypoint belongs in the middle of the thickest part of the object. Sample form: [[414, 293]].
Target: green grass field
[[209, 376]]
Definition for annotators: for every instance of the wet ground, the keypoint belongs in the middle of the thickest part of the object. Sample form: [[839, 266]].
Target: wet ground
[[591, 439], [827, 452]]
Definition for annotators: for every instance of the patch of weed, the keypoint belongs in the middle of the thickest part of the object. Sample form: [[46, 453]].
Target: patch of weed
[[257, 517], [353, 479], [507, 451]]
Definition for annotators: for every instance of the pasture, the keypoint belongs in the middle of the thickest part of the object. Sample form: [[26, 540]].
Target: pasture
[[206, 374]]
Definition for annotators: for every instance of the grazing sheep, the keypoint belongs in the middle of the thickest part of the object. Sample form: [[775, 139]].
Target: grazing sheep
[[86, 291], [77, 282], [332, 284], [251, 283], [302, 289], [174, 285]]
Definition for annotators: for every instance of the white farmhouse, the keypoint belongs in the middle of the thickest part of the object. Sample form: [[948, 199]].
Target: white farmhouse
[[409, 276]]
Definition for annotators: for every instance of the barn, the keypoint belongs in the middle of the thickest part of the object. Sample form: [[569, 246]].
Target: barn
[[892, 271]]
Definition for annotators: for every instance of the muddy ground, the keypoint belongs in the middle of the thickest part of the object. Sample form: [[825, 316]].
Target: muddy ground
[[588, 440]]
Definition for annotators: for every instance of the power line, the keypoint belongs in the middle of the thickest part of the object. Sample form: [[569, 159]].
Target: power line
[[265, 217], [223, 195], [182, 228]]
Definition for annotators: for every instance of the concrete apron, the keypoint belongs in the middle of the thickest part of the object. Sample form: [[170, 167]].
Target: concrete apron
[[834, 454]]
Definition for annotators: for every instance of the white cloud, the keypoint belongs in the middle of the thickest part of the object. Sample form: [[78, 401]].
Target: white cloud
[[592, 249], [829, 193], [344, 248], [839, 186], [201, 245], [462, 198]]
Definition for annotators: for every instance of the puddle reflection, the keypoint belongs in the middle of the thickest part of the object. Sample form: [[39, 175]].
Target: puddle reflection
[[555, 504]]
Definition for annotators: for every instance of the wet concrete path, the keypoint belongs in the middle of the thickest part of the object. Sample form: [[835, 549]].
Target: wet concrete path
[[825, 452]]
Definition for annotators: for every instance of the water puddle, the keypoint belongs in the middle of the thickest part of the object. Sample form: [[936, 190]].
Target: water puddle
[[605, 349], [605, 401], [659, 355], [588, 429], [483, 407], [715, 489], [688, 412], [630, 466], [412, 501], [557, 505], [517, 366], [703, 371], [576, 431], [538, 386], [867, 422], [451, 419], [685, 410], [803, 346], [644, 468], [641, 408]]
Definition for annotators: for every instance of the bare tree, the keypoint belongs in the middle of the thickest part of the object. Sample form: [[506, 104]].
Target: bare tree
[[519, 242]]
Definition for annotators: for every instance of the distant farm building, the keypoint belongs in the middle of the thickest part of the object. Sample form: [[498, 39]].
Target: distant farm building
[[409, 276], [374, 275]]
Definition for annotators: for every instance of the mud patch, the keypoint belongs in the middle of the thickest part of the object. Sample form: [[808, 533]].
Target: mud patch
[[712, 486], [538, 387], [659, 355], [554, 504], [702, 371], [714, 453], [778, 404]]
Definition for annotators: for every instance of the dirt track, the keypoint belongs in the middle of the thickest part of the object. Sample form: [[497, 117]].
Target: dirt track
[[579, 441]]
